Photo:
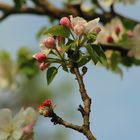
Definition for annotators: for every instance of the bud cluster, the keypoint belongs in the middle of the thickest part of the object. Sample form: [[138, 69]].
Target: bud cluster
[[46, 108]]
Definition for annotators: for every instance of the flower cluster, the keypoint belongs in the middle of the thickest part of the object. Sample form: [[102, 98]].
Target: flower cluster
[[46, 46], [46, 108], [111, 32], [19, 127], [134, 42], [54, 44]]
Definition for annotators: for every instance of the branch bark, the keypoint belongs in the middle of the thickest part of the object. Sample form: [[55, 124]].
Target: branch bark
[[46, 8]]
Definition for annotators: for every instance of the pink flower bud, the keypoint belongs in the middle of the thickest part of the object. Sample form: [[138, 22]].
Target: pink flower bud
[[61, 39], [65, 21], [130, 34], [49, 42], [117, 30], [96, 30], [43, 66], [48, 102], [79, 29], [40, 106], [109, 39], [40, 57]]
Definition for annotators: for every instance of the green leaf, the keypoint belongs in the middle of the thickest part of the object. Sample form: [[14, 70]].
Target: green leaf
[[93, 54], [83, 60], [64, 66], [41, 32], [58, 30], [51, 73], [129, 24], [102, 58], [115, 59]]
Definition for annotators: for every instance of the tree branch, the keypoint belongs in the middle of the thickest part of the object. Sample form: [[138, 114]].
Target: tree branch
[[58, 120], [87, 105], [45, 8], [120, 49]]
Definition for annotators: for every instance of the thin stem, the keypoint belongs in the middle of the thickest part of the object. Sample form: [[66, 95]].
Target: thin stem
[[87, 105]]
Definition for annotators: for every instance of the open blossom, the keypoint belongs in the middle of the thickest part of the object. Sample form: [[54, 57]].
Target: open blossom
[[135, 42], [108, 3], [81, 26], [12, 128], [112, 32]]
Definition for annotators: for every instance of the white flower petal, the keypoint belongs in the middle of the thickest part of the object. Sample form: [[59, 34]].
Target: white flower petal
[[30, 116], [4, 135], [137, 31], [91, 25], [17, 134], [77, 20], [19, 120], [5, 120], [136, 50]]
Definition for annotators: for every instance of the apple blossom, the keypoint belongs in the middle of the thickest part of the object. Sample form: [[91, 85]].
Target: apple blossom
[[109, 39], [134, 44], [81, 26], [115, 29], [12, 127], [130, 34]]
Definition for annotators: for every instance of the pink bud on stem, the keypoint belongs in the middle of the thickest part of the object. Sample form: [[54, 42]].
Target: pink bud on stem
[[117, 30], [40, 57], [65, 22], [49, 43], [109, 39]]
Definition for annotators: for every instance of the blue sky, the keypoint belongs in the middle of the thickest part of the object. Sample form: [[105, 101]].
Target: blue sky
[[116, 102]]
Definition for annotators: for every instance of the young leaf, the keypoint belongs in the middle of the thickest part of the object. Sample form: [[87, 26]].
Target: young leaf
[[51, 73], [83, 60], [58, 30], [41, 32], [93, 54], [100, 52], [115, 59]]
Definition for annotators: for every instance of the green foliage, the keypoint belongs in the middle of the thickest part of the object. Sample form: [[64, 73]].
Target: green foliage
[[84, 59], [128, 24], [4, 55], [18, 4], [26, 64], [102, 58], [51, 73], [58, 30], [115, 60], [96, 54]]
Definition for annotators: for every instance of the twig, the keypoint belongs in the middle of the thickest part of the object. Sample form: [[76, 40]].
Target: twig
[[87, 105], [58, 120]]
